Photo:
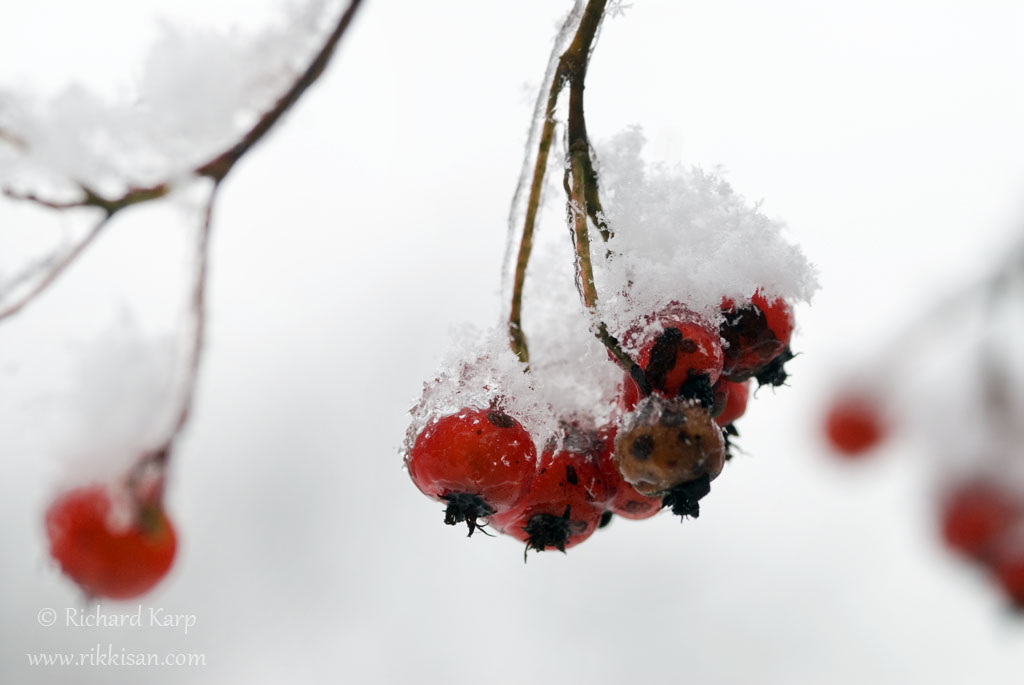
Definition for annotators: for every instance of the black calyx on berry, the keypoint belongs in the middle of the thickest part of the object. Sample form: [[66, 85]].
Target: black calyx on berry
[[728, 433], [774, 373], [684, 499], [697, 387], [465, 507], [606, 518], [548, 530]]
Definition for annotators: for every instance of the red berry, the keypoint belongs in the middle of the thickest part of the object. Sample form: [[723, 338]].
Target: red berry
[[587, 450], [478, 461], [974, 515], [680, 355], [557, 511], [755, 334], [854, 425], [681, 350], [732, 397], [629, 395], [104, 558], [1007, 565], [777, 314]]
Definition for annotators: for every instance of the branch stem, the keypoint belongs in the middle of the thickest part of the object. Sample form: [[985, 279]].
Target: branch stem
[[547, 134], [57, 268], [583, 196]]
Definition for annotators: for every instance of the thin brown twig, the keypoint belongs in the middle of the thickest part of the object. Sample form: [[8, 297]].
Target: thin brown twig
[[623, 359], [198, 313], [57, 268], [544, 112], [150, 467], [12, 140], [42, 201], [576, 209], [515, 327], [582, 187], [579, 168], [218, 167]]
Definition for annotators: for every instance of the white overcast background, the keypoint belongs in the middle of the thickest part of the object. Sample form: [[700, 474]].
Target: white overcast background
[[887, 135]]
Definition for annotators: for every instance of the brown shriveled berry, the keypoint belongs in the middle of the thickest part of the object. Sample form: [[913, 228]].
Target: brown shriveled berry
[[666, 442]]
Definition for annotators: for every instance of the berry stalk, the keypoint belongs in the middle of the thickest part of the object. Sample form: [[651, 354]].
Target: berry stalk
[[515, 326], [584, 198]]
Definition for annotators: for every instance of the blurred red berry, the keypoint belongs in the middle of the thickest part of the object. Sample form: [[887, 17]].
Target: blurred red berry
[[974, 515], [1006, 562], [854, 424], [478, 461], [104, 556]]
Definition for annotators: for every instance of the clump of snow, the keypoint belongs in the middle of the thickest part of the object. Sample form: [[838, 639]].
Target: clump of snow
[[683, 235], [123, 401], [481, 371], [196, 92]]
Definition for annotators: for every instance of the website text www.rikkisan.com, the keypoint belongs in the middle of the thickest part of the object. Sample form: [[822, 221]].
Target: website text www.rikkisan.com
[[108, 655]]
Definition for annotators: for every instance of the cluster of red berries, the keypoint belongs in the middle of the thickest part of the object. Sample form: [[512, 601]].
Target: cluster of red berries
[[984, 522], [980, 519], [668, 441], [113, 543]]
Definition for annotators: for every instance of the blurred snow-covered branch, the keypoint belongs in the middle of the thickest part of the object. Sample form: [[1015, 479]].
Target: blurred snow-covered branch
[[111, 157], [203, 102]]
